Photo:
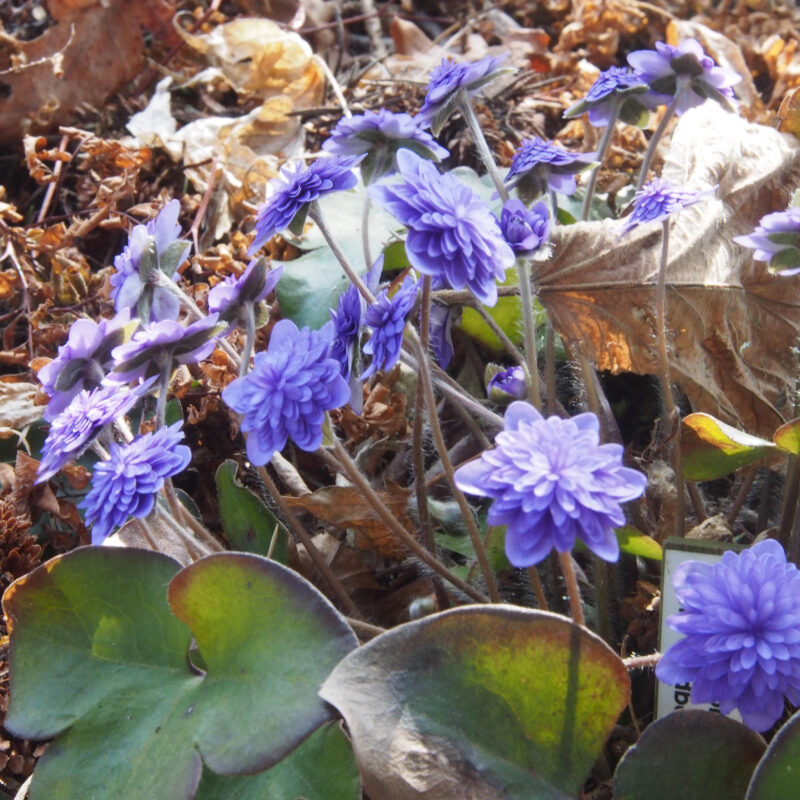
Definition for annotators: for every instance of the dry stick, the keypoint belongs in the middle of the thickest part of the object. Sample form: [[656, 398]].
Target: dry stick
[[418, 455], [302, 534], [364, 630], [391, 522], [741, 495], [565, 559], [441, 446], [673, 415]]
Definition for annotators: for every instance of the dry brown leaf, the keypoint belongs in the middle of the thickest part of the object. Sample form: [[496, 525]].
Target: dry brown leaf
[[95, 49], [733, 324], [346, 507], [17, 407]]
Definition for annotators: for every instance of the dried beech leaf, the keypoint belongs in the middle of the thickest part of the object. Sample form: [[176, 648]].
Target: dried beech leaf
[[94, 50], [732, 323], [346, 507], [17, 407]]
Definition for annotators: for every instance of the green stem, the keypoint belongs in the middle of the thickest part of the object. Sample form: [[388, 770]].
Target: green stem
[[391, 522], [447, 464], [483, 148], [672, 413], [605, 141], [683, 85], [531, 360]]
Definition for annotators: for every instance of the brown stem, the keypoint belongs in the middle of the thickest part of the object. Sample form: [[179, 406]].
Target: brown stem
[[538, 589], [575, 606]]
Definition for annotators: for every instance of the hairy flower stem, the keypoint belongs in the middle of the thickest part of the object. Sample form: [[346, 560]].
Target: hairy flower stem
[[365, 231], [418, 453], [360, 482], [791, 493], [510, 348], [447, 464], [147, 533], [538, 589], [550, 367], [316, 216], [249, 340], [641, 662], [575, 606], [672, 413], [605, 141], [163, 391], [683, 85], [531, 361], [480, 142], [312, 550], [203, 538]]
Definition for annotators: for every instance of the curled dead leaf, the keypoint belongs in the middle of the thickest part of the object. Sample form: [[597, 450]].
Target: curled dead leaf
[[732, 323]]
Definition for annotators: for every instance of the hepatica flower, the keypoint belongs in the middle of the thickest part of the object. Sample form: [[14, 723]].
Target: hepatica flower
[[539, 166], [451, 81], [777, 241], [656, 200], [378, 135], [126, 485], [160, 346], [347, 321], [509, 381], [82, 362], [297, 188], [288, 391], [387, 318], [552, 483], [741, 626], [230, 298], [684, 70], [73, 430], [525, 229], [152, 248], [618, 93], [452, 235]]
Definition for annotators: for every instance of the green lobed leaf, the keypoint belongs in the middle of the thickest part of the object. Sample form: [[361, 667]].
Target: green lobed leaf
[[321, 768], [248, 524], [480, 702], [787, 437], [691, 755], [711, 449], [99, 659], [777, 775]]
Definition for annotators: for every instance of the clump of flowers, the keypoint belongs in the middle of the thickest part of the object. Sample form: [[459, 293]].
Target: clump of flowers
[[552, 483], [538, 167], [288, 391], [82, 362], [377, 136], [451, 82], [684, 74], [656, 200], [741, 626], [153, 249], [126, 485], [295, 191], [387, 318], [777, 241], [452, 235], [618, 93]]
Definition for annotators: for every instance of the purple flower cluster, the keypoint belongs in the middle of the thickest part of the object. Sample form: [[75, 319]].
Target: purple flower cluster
[[618, 93], [741, 620], [152, 249], [377, 136], [288, 391], [452, 235], [552, 483], [82, 362], [776, 240], [347, 328], [449, 82], [656, 200], [387, 318], [126, 485], [295, 191], [525, 229], [684, 70], [539, 166]]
